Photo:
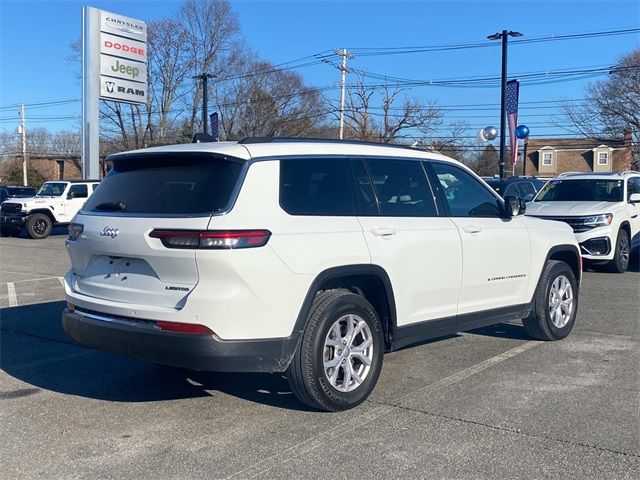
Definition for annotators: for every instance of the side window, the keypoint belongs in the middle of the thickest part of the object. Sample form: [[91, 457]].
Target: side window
[[365, 196], [94, 186], [633, 186], [402, 188], [513, 189], [465, 195], [79, 191], [316, 186]]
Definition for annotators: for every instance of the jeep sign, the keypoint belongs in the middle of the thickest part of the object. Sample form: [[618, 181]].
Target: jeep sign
[[121, 68]]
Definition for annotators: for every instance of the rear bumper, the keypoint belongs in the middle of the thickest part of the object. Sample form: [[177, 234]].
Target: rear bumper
[[143, 340]]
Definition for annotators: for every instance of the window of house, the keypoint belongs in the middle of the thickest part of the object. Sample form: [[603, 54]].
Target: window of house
[[603, 158], [547, 158]]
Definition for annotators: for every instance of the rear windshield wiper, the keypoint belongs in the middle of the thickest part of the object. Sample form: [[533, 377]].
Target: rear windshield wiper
[[111, 206]]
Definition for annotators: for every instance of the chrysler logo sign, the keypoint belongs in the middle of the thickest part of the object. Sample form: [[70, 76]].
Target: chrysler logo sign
[[124, 25], [109, 232]]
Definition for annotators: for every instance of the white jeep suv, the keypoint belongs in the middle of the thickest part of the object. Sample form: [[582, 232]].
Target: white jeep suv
[[602, 208], [56, 203], [306, 257]]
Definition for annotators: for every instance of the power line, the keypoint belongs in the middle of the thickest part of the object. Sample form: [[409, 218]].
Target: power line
[[373, 51]]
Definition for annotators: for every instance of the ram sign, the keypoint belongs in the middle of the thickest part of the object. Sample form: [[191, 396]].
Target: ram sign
[[123, 58]]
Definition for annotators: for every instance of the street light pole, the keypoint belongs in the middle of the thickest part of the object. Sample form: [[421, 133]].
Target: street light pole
[[205, 99], [504, 36], [503, 102]]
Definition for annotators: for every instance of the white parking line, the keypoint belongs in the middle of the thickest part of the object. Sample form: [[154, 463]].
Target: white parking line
[[61, 280], [259, 468], [11, 293]]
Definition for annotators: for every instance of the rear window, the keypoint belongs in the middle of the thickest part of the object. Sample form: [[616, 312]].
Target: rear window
[[167, 184]]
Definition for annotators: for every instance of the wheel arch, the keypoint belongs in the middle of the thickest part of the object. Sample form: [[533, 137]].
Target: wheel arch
[[568, 254], [47, 212], [370, 281], [625, 225]]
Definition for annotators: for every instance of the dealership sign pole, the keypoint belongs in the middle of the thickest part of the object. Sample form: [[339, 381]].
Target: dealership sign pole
[[114, 67]]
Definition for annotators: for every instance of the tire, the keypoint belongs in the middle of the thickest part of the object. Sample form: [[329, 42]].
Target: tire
[[39, 226], [541, 323], [620, 262], [329, 388]]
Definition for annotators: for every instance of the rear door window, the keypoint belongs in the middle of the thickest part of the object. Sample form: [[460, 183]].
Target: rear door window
[[79, 191], [402, 188], [316, 186], [167, 184]]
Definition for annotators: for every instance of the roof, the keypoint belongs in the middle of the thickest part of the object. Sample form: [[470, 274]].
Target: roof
[[260, 148], [76, 181], [575, 142], [597, 175]]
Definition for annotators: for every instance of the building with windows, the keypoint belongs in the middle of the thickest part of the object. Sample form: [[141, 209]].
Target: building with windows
[[547, 157]]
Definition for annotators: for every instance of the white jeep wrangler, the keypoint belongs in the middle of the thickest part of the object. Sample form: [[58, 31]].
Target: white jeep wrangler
[[306, 257], [56, 203]]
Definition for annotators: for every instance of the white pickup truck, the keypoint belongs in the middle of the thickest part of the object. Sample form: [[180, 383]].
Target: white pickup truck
[[56, 203]]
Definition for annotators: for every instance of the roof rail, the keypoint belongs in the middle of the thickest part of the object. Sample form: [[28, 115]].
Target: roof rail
[[629, 172], [250, 140], [563, 174]]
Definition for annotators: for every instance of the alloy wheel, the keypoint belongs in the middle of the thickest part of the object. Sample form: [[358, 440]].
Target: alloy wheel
[[560, 301], [348, 353]]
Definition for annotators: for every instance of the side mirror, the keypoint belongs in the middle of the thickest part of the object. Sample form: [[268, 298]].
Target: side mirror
[[514, 205], [71, 195], [634, 198]]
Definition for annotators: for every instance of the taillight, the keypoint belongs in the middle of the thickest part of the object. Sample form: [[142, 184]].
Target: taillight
[[212, 239], [75, 230], [183, 327]]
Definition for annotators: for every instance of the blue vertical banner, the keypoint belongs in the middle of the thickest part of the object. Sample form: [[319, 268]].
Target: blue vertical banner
[[213, 118]]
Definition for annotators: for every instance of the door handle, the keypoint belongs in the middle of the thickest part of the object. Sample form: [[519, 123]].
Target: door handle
[[471, 228], [383, 231]]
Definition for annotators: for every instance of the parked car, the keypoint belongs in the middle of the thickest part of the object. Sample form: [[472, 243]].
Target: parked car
[[54, 204], [517, 186], [306, 257], [12, 191], [602, 208]]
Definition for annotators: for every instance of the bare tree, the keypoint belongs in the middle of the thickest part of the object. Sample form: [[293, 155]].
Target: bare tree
[[451, 144], [265, 101], [393, 124], [611, 106], [169, 65], [211, 30], [487, 162]]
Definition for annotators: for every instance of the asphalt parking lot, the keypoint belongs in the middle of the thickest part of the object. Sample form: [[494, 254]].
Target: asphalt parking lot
[[486, 404]]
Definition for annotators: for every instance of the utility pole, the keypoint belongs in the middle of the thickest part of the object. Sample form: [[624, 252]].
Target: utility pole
[[504, 36], [205, 98], [23, 133], [343, 69]]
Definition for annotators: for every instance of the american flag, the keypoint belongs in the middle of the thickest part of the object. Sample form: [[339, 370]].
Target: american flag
[[512, 117], [214, 125]]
